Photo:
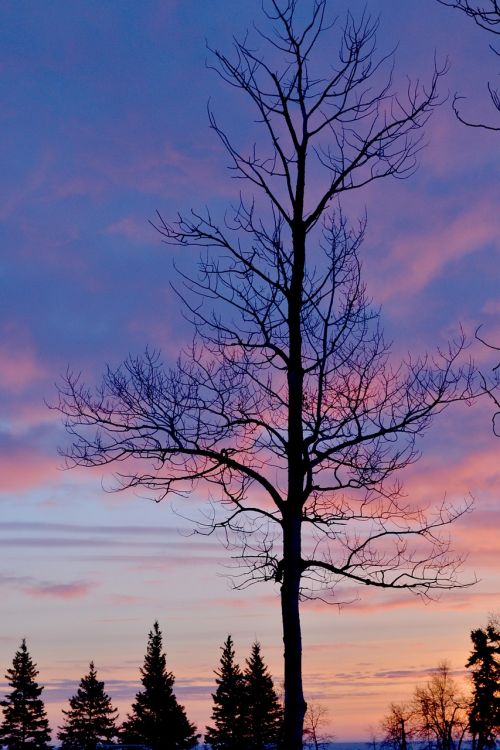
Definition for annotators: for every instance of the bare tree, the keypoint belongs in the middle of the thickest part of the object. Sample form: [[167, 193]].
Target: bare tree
[[441, 711], [373, 741], [486, 15], [491, 383], [315, 724], [289, 402], [397, 727], [436, 715]]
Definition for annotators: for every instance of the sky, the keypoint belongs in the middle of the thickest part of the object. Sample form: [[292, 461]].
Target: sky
[[103, 123]]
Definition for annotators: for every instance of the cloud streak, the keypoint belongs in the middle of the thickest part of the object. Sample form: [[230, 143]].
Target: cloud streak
[[47, 589]]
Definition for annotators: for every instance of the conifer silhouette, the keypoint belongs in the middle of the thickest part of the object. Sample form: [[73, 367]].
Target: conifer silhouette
[[228, 714], [484, 661], [91, 718], [157, 719], [263, 712], [25, 725]]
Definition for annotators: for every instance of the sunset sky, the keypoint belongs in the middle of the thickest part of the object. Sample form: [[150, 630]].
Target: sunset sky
[[103, 122]]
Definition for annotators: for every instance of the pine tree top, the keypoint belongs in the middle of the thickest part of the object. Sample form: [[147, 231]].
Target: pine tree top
[[486, 642], [24, 718], [23, 672], [157, 719], [90, 695], [228, 664]]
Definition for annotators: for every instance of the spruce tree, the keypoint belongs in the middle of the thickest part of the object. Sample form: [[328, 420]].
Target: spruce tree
[[263, 712], [91, 718], [25, 725], [228, 714], [157, 719], [484, 661]]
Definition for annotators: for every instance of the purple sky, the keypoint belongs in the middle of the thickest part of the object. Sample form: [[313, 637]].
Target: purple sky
[[104, 122]]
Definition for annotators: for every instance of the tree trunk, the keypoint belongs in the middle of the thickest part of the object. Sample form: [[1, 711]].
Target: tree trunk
[[404, 745], [295, 706]]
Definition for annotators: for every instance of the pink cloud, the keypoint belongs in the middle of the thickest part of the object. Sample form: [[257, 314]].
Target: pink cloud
[[417, 259], [36, 588], [447, 138], [24, 470], [135, 229], [373, 600], [159, 169], [476, 471], [25, 415], [19, 369], [492, 307], [464, 600], [73, 590], [235, 602]]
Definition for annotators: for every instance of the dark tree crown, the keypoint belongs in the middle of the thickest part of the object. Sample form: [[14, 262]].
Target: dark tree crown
[[264, 713], [246, 711], [157, 719], [484, 663], [229, 727], [91, 718], [25, 725]]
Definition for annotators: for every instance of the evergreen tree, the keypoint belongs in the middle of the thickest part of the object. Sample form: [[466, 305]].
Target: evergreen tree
[[228, 715], [91, 718], [157, 719], [484, 717], [25, 725], [263, 712]]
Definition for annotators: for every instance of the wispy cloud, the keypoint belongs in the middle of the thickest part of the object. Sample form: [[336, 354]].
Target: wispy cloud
[[19, 369], [135, 229], [72, 590], [416, 259], [47, 589], [18, 474], [28, 187]]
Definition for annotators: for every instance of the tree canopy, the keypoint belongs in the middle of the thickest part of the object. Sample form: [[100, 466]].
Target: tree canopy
[[289, 402]]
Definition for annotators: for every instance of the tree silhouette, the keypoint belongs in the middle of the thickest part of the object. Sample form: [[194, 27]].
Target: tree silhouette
[[315, 720], [263, 712], [91, 718], [486, 14], [437, 715], [157, 719], [289, 400], [440, 711], [229, 728], [398, 726], [484, 663], [25, 725]]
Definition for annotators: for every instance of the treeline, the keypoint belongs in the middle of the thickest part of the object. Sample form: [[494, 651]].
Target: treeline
[[440, 715], [246, 710]]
